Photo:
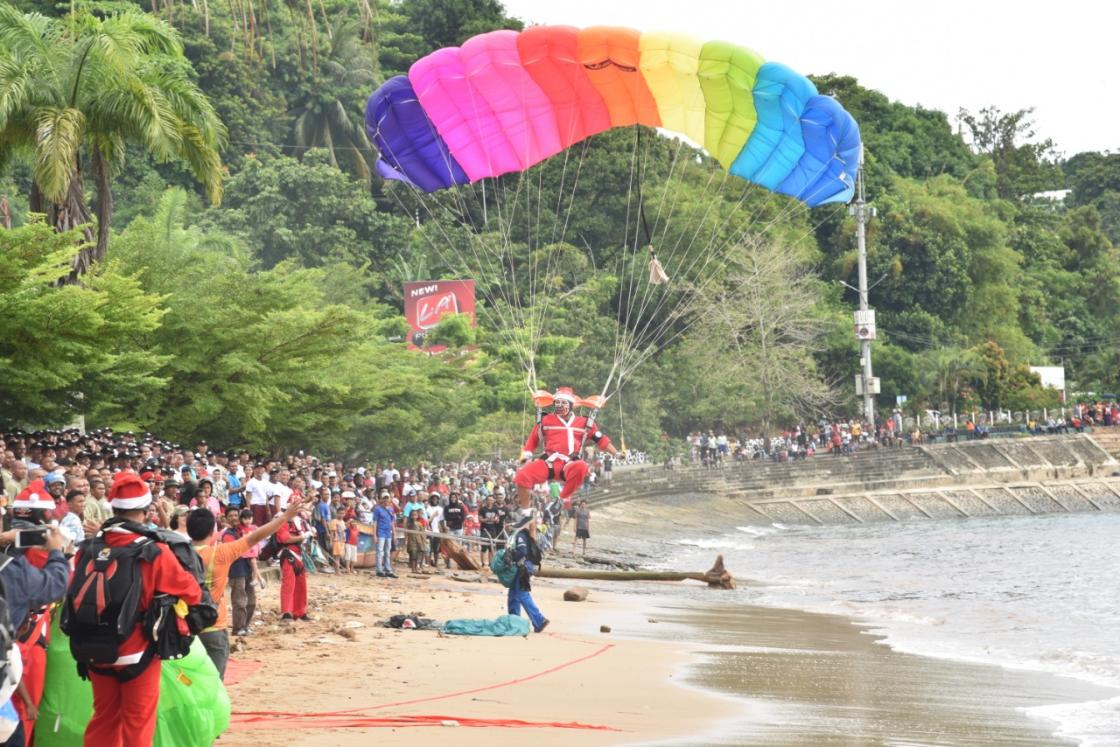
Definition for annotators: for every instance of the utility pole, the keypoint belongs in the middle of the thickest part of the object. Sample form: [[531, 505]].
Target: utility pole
[[864, 317]]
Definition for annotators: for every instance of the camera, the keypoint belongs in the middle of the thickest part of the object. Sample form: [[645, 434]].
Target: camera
[[31, 537]]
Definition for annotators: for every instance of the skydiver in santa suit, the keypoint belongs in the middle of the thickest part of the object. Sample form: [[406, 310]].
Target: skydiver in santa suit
[[563, 434]]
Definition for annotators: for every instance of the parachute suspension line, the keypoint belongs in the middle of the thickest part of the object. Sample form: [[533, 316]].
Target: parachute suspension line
[[621, 420], [561, 237], [648, 291], [734, 239], [628, 260], [719, 256], [641, 203], [683, 310], [541, 303], [626, 288], [641, 344], [483, 258]]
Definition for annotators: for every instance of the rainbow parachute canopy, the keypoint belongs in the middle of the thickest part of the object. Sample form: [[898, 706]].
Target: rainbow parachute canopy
[[507, 100]]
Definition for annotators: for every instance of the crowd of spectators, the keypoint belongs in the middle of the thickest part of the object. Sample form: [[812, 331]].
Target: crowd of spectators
[[474, 499], [847, 436]]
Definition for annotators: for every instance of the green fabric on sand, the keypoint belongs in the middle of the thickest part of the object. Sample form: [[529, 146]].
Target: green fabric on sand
[[506, 625], [194, 706]]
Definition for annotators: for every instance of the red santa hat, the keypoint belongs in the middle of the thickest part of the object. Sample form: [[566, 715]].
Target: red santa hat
[[129, 492], [565, 393], [34, 496]]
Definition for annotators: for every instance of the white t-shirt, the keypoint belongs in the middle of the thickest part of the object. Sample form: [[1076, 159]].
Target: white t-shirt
[[283, 491], [435, 518], [258, 491]]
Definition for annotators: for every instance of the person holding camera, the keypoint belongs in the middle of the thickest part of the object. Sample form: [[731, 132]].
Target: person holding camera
[[31, 511], [28, 590]]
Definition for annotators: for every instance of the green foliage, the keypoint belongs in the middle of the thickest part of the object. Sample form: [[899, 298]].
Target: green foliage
[[448, 23], [1022, 167], [309, 212], [263, 360], [70, 350]]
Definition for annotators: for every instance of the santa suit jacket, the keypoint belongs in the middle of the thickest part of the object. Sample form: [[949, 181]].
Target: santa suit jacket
[[562, 438]]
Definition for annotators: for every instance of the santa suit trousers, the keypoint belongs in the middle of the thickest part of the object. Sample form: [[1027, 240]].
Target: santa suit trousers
[[124, 713], [536, 471], [34, 678], [293, 589]]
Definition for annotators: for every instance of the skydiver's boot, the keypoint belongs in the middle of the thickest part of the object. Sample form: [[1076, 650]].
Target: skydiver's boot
[[524, 500]]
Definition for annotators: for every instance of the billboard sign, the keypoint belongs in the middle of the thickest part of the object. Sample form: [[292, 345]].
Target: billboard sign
[[426, 302]]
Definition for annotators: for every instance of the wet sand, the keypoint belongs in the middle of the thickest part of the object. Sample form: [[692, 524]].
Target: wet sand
[[812, 679]]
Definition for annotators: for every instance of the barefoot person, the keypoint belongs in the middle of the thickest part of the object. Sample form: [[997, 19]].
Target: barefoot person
[[562, 434]]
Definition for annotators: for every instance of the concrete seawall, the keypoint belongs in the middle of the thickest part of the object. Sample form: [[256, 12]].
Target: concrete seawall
[[1008, 476]]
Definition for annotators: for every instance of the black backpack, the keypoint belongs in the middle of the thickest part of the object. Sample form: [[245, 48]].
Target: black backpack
[[102, 603], [270, 550]]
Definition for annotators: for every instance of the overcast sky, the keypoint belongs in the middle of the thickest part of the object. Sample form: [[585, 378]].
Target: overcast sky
[[1060, 58]]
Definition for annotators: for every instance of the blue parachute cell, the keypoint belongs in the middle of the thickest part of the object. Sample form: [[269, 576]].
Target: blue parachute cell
[[777, 144], [411, 149], [826, 171]]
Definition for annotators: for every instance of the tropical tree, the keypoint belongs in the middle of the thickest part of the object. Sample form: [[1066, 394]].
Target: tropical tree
[[75, 91], [329, 116], [946, 371], [69, 350], [1022, 165]]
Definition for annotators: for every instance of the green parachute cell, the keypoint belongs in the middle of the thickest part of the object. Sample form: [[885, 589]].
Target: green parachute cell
[[194, 706]]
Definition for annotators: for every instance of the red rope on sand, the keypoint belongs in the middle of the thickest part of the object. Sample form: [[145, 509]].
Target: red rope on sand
[[364, 722], [250, 717]]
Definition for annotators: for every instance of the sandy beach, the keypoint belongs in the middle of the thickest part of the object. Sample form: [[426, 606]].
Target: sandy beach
[[396, 686]]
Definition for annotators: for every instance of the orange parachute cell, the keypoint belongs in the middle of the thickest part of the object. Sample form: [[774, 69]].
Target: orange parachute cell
[[611, 56]]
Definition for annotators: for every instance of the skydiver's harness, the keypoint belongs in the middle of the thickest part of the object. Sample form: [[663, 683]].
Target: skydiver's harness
[[557, 461]]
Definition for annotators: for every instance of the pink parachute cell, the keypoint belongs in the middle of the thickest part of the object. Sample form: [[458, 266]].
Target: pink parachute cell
[[528, 117], [462, 117]]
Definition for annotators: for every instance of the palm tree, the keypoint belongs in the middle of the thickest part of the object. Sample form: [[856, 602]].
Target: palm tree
[[946, 370], [326, 117], [74, 91]]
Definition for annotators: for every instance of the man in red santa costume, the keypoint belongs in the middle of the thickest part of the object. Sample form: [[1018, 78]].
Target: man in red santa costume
[[126, 684], [562, 434]]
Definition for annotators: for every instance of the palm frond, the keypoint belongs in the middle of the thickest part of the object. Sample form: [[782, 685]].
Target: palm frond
[[204, 161], [26, 34], [188, 103], [58, 134], [142, 33], [16, 83]]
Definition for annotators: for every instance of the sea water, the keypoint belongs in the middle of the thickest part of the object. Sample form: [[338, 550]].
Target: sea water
[[1033, 592]]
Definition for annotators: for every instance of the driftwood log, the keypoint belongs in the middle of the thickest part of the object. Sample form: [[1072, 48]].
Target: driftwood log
[[716, 577], [462, 558]]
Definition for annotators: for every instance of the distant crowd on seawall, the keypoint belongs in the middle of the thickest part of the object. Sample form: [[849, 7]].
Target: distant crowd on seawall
[[847, 436]]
